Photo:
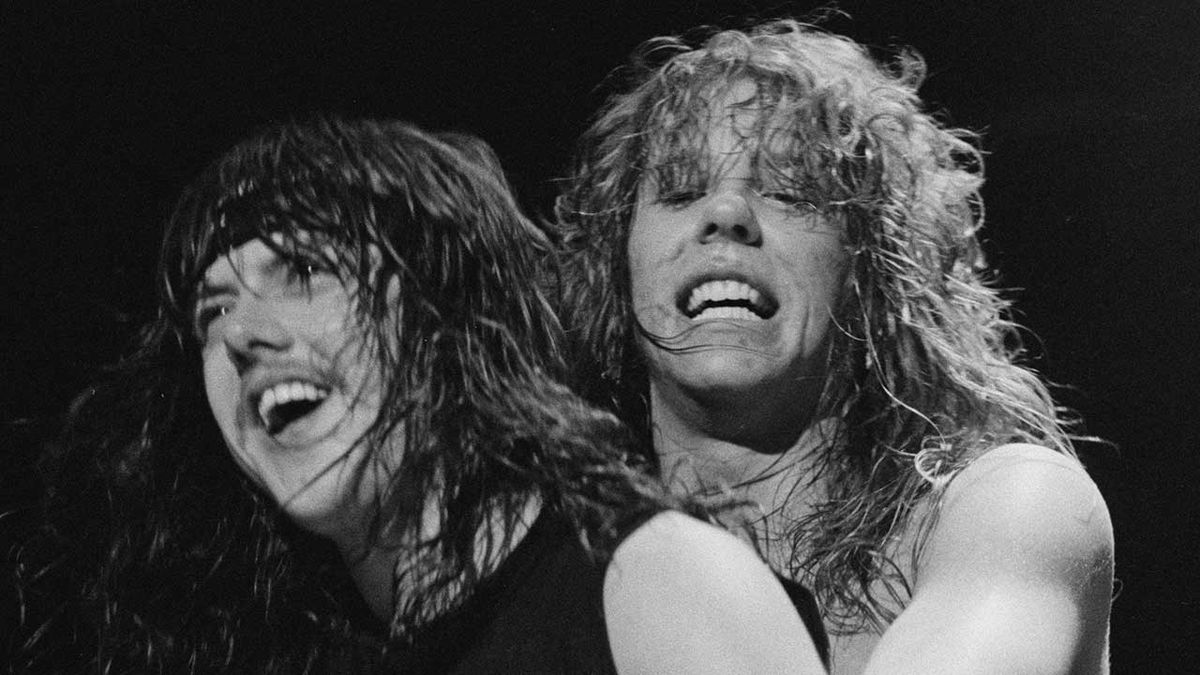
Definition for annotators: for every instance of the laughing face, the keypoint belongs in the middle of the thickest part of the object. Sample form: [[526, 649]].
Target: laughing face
[[288, 377], [735, 271]]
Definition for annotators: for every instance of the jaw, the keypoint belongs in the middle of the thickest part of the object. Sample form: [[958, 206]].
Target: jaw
[[712, 367], [312, 480], [720, 429], [745, 392], [317, 490]]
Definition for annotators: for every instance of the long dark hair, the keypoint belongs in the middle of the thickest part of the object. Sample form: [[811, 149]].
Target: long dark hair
[[177, 563], [925, 369]]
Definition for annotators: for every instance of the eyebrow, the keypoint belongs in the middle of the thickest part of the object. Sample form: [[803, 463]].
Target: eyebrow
[[266, 268], [207, 289]]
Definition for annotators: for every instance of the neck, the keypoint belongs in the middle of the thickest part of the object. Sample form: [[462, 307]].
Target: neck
[[373, 564], [724, 447]]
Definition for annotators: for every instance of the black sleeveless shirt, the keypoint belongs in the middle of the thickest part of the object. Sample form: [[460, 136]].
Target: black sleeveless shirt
[[542, 611]]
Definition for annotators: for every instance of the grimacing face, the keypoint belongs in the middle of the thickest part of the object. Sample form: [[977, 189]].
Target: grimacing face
[[290, 379], [737, 277]]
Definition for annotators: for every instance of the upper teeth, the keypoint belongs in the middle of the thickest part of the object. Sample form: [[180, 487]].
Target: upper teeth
[[286, 392], [724, 290]]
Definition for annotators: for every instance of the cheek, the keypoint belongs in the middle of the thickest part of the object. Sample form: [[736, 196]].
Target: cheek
[[835, 267], [824, 270], [331, 330], [221, 387], [649, 250], [636, 254], [820, 275], [328, 323], [647, 283]]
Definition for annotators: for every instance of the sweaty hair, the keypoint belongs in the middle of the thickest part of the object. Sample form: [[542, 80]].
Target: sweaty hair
[[162, 554], [924, 370]]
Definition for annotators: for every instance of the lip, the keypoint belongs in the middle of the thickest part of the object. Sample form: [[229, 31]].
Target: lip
[[725, 273], [262, 377]]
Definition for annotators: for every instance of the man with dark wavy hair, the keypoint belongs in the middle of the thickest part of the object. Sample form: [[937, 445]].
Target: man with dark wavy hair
[[345, 445], [773, 273]]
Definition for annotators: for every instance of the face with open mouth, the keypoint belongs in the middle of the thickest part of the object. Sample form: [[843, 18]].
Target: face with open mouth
[[734, 274], [288, 377]]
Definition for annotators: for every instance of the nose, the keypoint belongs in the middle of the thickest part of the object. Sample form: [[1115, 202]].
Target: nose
[[728, 217], [253, 332]]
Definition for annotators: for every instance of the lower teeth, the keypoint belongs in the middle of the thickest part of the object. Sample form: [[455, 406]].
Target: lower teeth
[[726, 312]]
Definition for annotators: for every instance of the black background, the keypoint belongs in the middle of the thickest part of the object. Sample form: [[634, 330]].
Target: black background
[[1090, 112]]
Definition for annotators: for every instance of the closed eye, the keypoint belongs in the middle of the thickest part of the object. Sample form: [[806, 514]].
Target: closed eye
[[680, 198], [303, 272], [792, 200], [207, 313]]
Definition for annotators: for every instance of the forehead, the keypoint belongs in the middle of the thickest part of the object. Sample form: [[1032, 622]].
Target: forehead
[[246, 261], [706, 127], [291, 214], [257, 237]]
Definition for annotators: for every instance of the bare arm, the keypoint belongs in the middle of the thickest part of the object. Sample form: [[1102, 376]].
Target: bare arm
[[1016, 576], [681, 596]]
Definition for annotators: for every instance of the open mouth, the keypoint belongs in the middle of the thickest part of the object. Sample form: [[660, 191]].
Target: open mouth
[[288, 402], [727, 299]]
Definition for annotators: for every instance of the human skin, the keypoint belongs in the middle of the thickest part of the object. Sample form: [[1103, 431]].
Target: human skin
[[741, 227], [267, 331], [263, 323], [1015, 574]]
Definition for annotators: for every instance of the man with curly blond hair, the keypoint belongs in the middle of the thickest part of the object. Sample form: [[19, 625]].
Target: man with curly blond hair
[[774, 273]]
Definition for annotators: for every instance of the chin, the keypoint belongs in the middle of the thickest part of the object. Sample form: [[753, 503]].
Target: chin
[[732, 372], [320, 511], [310, 489]]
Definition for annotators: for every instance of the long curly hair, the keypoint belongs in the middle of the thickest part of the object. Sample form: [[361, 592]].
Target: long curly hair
[[160, 555], [925, 368]]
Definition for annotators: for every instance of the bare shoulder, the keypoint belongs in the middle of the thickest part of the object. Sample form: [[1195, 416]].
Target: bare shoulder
[[1033, 505], [1015, 575], [681, 595]]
